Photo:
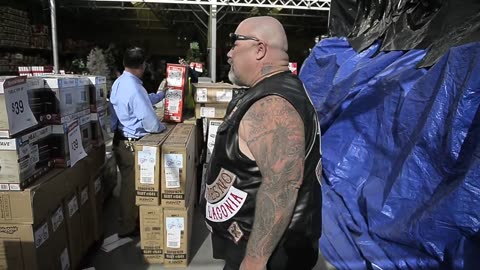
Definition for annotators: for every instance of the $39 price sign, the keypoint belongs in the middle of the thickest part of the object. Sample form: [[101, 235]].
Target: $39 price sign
[[75, 143], [20, 117]]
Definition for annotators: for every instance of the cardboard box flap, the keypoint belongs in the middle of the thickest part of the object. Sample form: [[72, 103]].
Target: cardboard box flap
[[216, 85], [156, 138], [180, 135]]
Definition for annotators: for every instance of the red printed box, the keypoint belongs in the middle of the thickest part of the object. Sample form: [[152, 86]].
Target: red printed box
[[177, 82]]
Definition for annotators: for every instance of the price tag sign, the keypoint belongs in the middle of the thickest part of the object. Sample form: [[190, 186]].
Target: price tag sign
[[20, 115], [77, 152]]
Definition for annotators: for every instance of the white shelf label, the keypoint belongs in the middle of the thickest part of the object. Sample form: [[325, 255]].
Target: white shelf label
[[147, 173], [224, 95], [72, 206], [202, 95], [208, 112], [172, 177], [77, 152], [41, 235]]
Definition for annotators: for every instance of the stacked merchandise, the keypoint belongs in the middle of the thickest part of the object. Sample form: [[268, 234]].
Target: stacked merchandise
[[67, 109], [17, 35], [51, 222], [98, 110], [24, 145], [35, 70], [14, 28], [166, 187], [211, 105], [13, 62], [175, 95]]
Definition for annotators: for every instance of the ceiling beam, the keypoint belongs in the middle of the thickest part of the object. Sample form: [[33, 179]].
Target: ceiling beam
[[67, 6], [323, 5]]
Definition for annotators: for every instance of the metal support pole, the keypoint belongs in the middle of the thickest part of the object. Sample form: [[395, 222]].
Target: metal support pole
[[212, 41], [53, 17]]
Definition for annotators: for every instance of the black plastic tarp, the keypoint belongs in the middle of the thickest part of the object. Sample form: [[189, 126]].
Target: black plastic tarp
[[435, 25]]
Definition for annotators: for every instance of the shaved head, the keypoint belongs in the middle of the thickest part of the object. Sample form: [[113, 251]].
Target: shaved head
[[267, 29], [259, 50]]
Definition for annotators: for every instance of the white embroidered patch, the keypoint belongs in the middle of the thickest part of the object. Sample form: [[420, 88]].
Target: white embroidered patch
[[217, 190], [235, 231], [227, 207]]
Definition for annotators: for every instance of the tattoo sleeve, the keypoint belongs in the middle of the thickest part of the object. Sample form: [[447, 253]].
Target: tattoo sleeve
[[274, 133]]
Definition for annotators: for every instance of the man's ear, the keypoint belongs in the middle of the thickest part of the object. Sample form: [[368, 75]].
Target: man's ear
[[261, 51]]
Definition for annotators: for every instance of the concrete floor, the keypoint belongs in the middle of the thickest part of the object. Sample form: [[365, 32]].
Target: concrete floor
[[129, 257]]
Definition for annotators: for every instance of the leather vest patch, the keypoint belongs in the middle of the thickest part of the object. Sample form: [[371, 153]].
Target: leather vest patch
[[219, 188], [227, 207]]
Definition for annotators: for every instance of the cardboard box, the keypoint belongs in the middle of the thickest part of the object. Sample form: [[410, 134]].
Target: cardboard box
[[177, 236], [24, 159], [174, 105], [148, 167], [60, 140], [213, 126], [109, 174], [100, 124], [210, 110], [87, 218], [97, 90], [177, 84], [35, 202], [27, 247], [96, 166], [59, 246], [177, 76], [151, 233], [95, 189], [74, 229], [69, 97], [178, 166], [86, 132], [96, 159], [199, 136], [75, 178], [216, 92], [16, 114]]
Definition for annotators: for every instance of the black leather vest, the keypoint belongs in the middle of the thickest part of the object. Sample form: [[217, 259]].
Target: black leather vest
[[232, 179]]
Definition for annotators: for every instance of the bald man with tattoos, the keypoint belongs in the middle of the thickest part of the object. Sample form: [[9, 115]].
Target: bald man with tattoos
[[262, 198]]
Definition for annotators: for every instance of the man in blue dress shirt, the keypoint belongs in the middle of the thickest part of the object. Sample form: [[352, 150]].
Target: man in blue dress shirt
[[132, 117]]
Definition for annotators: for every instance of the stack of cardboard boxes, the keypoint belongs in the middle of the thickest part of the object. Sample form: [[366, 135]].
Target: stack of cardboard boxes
[[24, 145], [211, 101], [51, 222], [14, 28], [166, 188]]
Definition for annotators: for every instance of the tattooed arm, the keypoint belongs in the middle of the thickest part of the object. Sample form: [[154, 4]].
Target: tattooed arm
[[274, 135]]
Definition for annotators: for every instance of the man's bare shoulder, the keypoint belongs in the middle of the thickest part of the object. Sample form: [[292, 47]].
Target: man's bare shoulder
[[268, 114]]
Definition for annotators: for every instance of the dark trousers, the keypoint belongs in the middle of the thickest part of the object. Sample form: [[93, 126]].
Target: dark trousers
[[301, 254], [126, 164]]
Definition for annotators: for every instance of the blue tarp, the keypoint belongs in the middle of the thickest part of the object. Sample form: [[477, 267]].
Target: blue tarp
[[401, 156]]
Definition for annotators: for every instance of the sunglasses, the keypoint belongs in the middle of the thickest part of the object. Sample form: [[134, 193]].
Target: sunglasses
[[234, 37]]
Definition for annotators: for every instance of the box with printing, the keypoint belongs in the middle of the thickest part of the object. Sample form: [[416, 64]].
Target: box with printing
[[66, 98], [25, 158]]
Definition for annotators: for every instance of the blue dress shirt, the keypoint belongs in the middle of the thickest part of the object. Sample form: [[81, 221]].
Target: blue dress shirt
[[131, 108], [156, 97]]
